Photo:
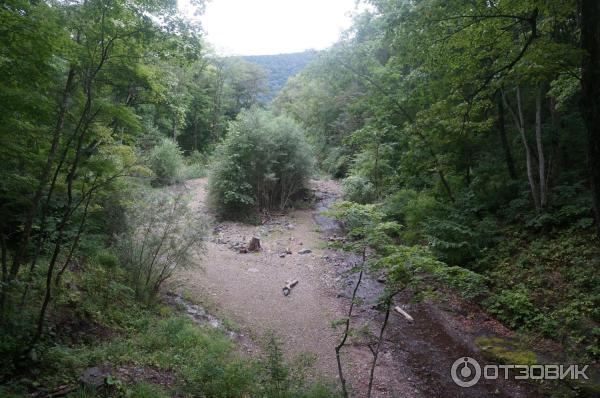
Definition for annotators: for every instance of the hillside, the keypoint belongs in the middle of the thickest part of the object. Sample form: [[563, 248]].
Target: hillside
[[280, 67]]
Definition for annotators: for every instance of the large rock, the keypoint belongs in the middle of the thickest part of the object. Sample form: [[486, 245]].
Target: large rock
[[94, 377]]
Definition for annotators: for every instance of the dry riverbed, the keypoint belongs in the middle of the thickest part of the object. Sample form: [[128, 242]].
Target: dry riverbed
[[244, 290]]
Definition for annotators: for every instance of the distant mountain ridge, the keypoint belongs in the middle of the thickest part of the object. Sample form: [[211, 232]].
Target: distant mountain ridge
[[280, 67]]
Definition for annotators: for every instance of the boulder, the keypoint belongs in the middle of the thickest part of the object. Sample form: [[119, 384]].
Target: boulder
[[93, 377]]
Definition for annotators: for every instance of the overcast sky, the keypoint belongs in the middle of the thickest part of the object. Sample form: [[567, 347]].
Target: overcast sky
[[254, 27]]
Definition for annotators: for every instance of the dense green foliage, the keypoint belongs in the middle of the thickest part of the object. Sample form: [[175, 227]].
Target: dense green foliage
[[103, 100], [279, 68], [461, 121], [166, 161], [263, 164], [466, 135]]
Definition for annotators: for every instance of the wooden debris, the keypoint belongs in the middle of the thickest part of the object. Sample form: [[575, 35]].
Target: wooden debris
[[288, 286], [254, 245], [404, 313]]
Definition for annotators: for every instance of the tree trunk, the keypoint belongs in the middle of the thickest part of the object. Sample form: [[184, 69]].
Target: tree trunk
[[37, 197], [520, 124], [377, 174], [540, 149], [590, 95], [510, 163], [43, 180]]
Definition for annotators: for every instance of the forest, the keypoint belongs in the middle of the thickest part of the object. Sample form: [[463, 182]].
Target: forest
[[435, 172], [279, 68]]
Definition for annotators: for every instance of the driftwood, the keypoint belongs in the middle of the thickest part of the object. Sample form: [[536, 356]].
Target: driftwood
[[61, 391], [288, 286], [404, 313]]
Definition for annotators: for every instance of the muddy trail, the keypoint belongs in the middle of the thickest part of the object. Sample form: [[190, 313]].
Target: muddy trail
[[246, 290]]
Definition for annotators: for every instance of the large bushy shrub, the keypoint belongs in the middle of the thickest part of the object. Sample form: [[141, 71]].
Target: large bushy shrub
[[262, 164], [166, 161]]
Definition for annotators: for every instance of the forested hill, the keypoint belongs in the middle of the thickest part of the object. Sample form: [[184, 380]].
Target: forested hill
[[280, 67]]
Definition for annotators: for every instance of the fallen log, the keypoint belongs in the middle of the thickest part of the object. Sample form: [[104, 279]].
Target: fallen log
[[404, 313], [288, 286]]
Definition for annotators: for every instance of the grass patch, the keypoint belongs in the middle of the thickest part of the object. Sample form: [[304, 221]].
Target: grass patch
[[505, 351], [199, 361]]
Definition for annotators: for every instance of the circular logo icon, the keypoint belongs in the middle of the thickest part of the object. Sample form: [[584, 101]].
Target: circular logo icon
[[465, 372]]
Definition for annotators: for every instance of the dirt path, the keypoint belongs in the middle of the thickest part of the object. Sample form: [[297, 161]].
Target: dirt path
[[247, 289]]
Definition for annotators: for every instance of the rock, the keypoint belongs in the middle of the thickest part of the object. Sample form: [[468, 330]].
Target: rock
[[382, 278], [305, 251], [243, 250], [288, 251], [282, 255], [252, 269], [254, 245], [93, 377]]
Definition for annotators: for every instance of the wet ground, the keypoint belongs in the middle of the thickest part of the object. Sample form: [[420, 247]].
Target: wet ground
[[422, 351]]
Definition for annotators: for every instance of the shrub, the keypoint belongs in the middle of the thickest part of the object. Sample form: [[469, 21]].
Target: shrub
[[263, 164], [162, 236], [411, 208], [281, 378], [336, 163], [512, 307], [458, 234], [359, 189], [166, 161], [420, 261]]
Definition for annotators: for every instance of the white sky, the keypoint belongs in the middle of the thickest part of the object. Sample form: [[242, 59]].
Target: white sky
[[257, 27]]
